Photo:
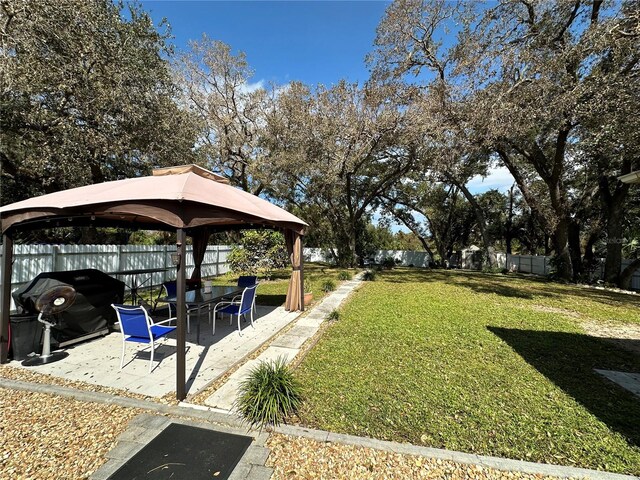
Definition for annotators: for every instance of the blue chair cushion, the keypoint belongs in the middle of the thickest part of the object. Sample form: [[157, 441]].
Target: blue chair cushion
[[234, 309], [160, 331], [156, 330]]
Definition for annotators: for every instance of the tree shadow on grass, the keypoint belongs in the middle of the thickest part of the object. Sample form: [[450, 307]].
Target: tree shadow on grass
[[569, 359], [476, 281]]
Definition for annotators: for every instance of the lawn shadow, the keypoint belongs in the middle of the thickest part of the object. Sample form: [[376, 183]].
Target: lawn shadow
[[609, 297], [569, 359], [477, 281]]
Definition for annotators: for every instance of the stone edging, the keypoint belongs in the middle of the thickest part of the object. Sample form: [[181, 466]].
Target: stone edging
[[497, 463], [231, 420]]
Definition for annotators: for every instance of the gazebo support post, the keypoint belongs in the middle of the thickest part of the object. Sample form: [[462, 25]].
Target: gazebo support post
[[181, 314], [5, 296]]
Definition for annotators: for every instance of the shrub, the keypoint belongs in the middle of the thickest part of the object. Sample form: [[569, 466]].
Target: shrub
[[307, 285], [369, 276], [334, 315], [344, 275], [388, 263], [488, 269], [328, 286], [259, 250], [269, 394]]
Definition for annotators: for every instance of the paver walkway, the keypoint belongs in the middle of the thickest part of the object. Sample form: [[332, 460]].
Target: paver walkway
[[628, 380], [285, 346]]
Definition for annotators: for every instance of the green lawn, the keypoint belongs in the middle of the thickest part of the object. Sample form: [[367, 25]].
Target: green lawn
[[488, 364], [273, 291]]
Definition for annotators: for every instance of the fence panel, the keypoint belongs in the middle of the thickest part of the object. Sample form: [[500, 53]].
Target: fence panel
[[31, 260], [541, 265]]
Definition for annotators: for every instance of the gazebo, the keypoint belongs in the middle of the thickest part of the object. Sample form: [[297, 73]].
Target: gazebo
[[186, 199]]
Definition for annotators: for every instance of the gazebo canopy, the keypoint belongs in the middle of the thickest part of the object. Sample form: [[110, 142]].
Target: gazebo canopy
[[187, 199], [176, 197]]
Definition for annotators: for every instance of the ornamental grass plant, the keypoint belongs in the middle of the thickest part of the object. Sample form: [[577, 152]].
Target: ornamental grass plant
[[269, 394]]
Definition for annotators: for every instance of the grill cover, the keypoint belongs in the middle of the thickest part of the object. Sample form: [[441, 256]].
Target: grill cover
[[91, 311]]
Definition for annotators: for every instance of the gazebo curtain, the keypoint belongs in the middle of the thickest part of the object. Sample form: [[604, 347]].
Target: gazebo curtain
[[200, 241], [294, 244]]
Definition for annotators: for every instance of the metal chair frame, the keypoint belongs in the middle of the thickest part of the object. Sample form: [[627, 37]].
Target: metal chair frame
[[153, 331], [238, 308]]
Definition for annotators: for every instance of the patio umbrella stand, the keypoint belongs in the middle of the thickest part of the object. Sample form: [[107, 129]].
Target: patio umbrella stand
[[51, 302]]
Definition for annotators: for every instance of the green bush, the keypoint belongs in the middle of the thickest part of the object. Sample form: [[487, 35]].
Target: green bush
[[328, 285], [488, 269], [369, 276], [344, 275], [259, 251], [388, 263], [334, 315], [269, 394]]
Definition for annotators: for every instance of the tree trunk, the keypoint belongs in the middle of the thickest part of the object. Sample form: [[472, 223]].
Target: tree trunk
[[613, 260], [489, 251], [575, 250], [588, 260], [613, 207], [562, 258], [508, 234]]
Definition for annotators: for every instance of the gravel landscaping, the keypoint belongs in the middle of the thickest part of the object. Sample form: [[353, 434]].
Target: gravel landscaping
[[47, 436], [293, 457]]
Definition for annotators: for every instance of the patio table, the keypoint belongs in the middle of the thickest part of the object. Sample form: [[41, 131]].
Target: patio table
[[199, 299], [135, 283]]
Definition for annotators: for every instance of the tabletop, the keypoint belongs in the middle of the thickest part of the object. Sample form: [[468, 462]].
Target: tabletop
[[138, 271], [199, 297]]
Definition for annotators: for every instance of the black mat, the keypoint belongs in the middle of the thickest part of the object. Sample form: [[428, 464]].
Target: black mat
[[184, 452]]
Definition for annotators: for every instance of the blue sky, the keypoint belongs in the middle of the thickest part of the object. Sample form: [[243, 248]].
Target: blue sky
[[311, 41]]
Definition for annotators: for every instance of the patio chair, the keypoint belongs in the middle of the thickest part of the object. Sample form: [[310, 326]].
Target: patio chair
[[170, 289], [247, 281], [238, 308], [137, 326]]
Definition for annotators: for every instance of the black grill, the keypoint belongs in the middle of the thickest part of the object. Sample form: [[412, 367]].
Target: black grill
[[90, 314]]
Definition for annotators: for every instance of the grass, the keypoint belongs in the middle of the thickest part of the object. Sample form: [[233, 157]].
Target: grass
[[480, 363], [273, 291]]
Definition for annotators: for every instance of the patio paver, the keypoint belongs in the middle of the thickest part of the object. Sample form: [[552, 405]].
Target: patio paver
[[98, 361]]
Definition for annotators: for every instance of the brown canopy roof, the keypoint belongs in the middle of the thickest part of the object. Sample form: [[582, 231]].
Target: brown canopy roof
[[179, 197]]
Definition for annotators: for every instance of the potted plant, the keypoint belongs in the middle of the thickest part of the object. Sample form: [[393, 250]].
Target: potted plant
[[308, 294]]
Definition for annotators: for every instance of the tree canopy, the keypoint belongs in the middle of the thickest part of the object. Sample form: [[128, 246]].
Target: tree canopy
[[93, 91], [86, 96]]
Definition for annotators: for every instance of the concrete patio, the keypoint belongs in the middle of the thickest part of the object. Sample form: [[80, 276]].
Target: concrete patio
[[98, 361]]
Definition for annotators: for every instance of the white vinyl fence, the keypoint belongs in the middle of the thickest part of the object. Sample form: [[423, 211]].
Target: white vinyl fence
[[540, 265], [31, 260], [405, 258]]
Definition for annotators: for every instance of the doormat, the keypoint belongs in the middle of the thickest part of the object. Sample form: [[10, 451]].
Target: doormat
[[184, 452]]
